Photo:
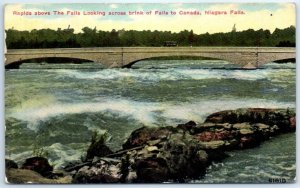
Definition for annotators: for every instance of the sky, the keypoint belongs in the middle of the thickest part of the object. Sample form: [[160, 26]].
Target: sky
[[256, 16]]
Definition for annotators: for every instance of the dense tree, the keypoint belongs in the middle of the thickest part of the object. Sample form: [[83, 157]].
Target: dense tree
[[191, 37], [91, 37]]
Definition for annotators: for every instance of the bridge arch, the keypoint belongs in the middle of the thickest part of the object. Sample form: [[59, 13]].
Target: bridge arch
[[280, 64], [50, 60], [264, 58], [129, 61], [137, 62], [292, 60]]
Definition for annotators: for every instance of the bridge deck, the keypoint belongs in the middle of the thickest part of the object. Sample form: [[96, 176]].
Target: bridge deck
[[152, 49]]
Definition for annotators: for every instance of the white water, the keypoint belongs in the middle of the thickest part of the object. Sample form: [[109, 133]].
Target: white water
[[144, 112], [62, 107]]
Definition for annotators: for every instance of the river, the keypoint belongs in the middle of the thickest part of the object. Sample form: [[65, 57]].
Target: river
[[54, 108]]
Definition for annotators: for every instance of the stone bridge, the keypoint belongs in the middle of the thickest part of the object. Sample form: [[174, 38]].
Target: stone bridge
[[246, 57]]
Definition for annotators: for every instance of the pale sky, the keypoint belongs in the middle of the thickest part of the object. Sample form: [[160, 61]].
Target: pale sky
[[256, 16]]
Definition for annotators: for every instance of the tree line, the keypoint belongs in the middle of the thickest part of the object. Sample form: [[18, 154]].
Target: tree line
[[91, 37]]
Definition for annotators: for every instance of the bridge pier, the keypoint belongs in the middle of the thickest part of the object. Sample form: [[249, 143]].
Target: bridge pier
[[249, 66]]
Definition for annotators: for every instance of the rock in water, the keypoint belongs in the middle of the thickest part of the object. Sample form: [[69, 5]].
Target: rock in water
[[187, 126], [293, 122], [283, 118], [98, 147], [174, 159], [98, 150], [184, 157], [152, 170], [38, 164], [141, 136], [169, 154], [10, 164], [103, 171], [207, 136]]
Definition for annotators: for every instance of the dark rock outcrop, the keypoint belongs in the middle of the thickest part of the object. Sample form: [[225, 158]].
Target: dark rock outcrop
[[150, 170], [141, 136], [10, 164], [99, 150], [283, 118], [181, 153], [102, 171], [175, 154], [38, 164], [98, 147], [187, 126], [174, 159]]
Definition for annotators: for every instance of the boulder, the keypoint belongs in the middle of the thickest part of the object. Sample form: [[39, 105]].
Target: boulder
[[232, 144], [212, 145], [248, 142], [274, 130], [183, 157], [261, 126], [152, 170], [98, 147], [202, 156], [246, 132], [210, 127], [10, 164], [254, 115], [38, 164], [99, 150], [143, 135], [207, 136], [242, 126], [177, 158], [293, 122], [101, 172], [264, 131], [187, 126]]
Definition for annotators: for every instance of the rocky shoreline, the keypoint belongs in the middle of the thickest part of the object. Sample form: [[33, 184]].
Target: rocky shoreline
[[163, 154]]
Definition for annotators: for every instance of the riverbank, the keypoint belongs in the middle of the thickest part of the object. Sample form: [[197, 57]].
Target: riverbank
[[179, 153]]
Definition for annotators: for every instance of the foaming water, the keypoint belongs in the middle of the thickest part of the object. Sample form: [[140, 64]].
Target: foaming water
[[59, 155], [140, 111], [143, 75], [144, 112], [57, 108]]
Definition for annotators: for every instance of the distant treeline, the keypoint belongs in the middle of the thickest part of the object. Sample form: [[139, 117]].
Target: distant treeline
[[66, 38]]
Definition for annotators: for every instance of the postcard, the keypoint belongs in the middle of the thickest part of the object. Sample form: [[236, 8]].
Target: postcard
[[150, 93]]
